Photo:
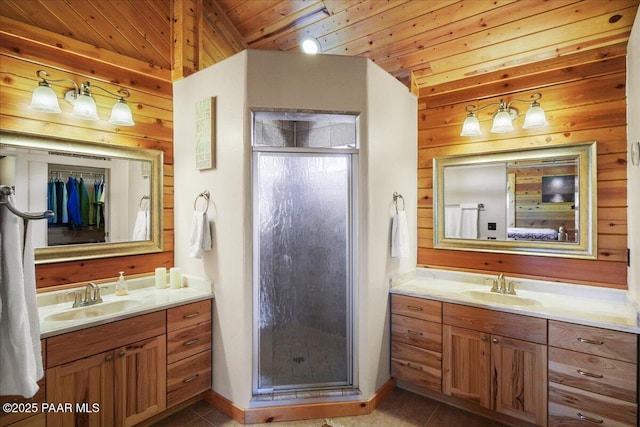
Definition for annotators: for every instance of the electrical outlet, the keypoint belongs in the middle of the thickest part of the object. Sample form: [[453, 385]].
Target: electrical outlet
[[491, 226]]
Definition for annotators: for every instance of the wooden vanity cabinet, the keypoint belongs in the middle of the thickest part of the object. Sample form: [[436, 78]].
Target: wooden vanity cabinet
[[416, 341], [592, 376], [496, 360], [188, 351], [112, 374]]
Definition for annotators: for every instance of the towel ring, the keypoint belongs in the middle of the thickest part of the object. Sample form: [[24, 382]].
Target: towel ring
[[397, 196], [142, 199], [205, 195]]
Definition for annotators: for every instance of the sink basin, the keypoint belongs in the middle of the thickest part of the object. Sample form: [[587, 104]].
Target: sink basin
[[495, 298], [91, 311]]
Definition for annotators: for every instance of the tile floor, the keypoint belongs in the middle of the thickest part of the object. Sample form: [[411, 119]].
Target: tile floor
[[400, 409]]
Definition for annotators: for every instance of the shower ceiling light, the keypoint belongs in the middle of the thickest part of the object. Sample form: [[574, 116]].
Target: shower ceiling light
[[503, 119], [44, 99], [310, 45]]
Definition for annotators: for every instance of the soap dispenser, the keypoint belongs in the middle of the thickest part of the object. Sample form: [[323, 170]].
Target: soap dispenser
[[121, 285]]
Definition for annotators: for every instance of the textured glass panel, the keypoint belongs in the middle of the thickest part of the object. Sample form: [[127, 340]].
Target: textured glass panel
[[303, 216]]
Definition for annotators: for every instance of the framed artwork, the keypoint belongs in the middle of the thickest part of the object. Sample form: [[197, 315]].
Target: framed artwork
[[206, 133], [558, 189]]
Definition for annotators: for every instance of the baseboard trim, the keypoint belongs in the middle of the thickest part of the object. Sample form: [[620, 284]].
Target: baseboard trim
[[298, 412]]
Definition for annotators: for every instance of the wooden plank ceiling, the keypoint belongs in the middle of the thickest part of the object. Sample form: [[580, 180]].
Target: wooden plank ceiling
[[435, 41]]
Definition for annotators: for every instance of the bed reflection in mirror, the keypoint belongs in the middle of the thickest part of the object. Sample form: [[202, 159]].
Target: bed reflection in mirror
[[532, 200]]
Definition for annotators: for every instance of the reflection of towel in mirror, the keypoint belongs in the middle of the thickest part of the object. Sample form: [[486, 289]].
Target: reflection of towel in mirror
[[200, 236], [469, 220], [141, 226], [20, 357], [452, 221], [399, 236]]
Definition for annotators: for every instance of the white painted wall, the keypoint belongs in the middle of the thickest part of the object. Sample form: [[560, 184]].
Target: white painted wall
[[388, 163], [633, 172]]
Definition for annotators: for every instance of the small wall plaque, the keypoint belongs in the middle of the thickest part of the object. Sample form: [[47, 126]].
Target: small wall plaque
[[206, 133]]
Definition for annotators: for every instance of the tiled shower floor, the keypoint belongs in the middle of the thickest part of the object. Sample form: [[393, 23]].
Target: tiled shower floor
[[400, 409]]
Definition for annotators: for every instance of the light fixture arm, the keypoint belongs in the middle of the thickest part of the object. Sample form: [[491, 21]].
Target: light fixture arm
[[533, 100], [42, 74], [121, 94]]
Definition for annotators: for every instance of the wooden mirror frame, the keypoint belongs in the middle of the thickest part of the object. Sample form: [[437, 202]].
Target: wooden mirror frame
[[64, 253], [586, 247]]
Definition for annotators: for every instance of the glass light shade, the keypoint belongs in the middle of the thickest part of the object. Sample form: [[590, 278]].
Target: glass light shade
[[471, 126], [310, 45], [85, 108], [502, 122], [535, 118], [121, 114], [44, 99]]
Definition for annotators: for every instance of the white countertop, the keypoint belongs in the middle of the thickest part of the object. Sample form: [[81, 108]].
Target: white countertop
[[142, 292], [587, 305]]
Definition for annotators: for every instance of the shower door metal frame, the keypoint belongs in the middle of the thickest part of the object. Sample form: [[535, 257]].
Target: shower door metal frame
[[352, 255]]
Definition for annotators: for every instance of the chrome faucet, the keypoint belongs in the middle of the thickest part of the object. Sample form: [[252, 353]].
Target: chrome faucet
[[91, 296]]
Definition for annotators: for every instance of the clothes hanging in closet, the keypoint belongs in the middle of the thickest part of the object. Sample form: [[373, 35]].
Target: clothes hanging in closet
[[73, 204]]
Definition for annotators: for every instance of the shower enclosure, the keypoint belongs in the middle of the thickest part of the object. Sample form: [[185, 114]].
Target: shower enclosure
[[303, 260]]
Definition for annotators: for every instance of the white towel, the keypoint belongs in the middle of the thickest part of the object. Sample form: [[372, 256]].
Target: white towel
[[399, 236], [469, 221], [20, 357], [452, 221], [141, 226], [200, 236]]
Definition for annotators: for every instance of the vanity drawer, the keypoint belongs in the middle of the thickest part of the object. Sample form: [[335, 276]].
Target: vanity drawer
[[188, 377], [574, 407], [188, 315], [188, 341], [417, 307], [596, 341], [421, 333], [600, 375], [516, 326], [417, 365]]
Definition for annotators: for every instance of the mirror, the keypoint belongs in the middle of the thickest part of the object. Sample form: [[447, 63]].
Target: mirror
[[107, 199], [540, 202]]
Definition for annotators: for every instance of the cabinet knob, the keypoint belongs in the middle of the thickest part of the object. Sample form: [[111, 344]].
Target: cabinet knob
[[412, 332], [121, 354], [590, 419], [495, 340], [109, 358], [190, 342], [414, 308], [484, 338]]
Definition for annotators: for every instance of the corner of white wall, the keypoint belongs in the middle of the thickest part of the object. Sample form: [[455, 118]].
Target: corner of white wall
[[633, 171]]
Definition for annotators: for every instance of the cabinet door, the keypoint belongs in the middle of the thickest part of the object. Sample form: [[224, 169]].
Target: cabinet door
[[466, 364], [519, 383], [80, 393], [141, 381]]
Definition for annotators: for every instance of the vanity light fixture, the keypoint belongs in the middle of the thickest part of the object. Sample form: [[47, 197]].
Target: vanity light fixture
[[503, 119], [310, 45], [45, 100]]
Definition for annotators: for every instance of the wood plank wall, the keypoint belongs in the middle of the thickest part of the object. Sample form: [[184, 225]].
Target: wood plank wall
[[25, 49], [584, 98]]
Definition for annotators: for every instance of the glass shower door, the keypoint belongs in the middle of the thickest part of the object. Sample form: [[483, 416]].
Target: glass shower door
[[302, 270]]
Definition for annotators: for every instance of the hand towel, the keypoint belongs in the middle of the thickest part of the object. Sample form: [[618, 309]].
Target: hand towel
[[400, 236], [141, 226], [469, 221], [200, 236], [452, 221], [20, 356]]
